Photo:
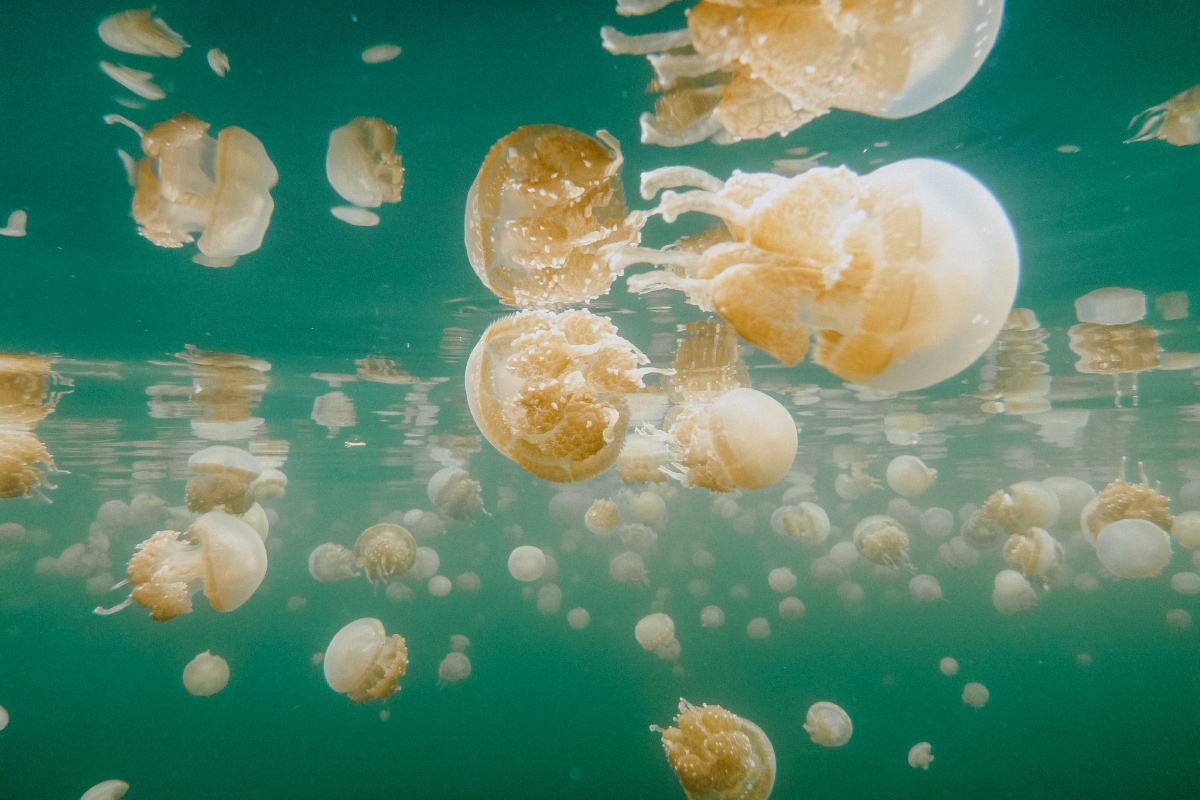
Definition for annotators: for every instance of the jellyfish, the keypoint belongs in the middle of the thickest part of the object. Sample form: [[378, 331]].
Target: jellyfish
[[20, 453], [903, 276], [717, 754], [380, 53], [919, 756], [629, 568], [654, 631], [828, 724], [15, 226], [1011, 592], [579, 618], [546, 390], [925, 588], [746, 70], [135, 80], [1186, 529], [1179, 618], [223, 479], [218, 62], [882, 540], [603, 517], [782, 580], [937, 522], [806, 522], [426, 564], [454, 668], [1123, 500], [1109, 340], [549, 599], [106, 790], [218, 552], [526, 563], [948, 666], [136, 31], [758, 628], [855, 484], [353, 215], [1186, 582], [362, 164], [908, 475], [975, 695], [332, 562], [1176, 121], [1133, 548], [707, 363], [1034, 553], [545, 213], [643, 459], [791, 609], [189, 182], [467, 582], [649, 509], [1073, 496], [638, 538], [712, 617], [743, 440], [206, 674], [334, 411], [453, 492], [1016, 376], [363, 662]]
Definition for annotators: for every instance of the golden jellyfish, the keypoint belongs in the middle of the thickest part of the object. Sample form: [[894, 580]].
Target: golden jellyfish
[[654, 631], [223, 479], [903, 277], [218, 552], [603, 517], [20, 453], [828, 724], [1133, 548], [218, 62], [1034, 553], [1123, 500], [453, 492], [718, 755], [363, 662], [189, 182], [920, 755], [454, 668], [206, 674], [545, 213], [1176, 121], [747, 70], [806, 522], [1116, 349], [332, 562], [136, 31], [882, 540], [384, 551], [106, 790], [546, 390], [362, 164]]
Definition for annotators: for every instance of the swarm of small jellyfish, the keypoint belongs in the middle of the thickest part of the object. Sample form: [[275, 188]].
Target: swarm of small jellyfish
[[25, 400], [901, 277], [189, 182], [1176, 121], [363, 662], [746, 70], [718, 755]]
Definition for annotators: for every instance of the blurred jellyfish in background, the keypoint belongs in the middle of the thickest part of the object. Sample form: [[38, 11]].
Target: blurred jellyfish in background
[[716, 753], [106, 790], [331, 562], [920, 756], [602, 517], [136, 31], [882, 540], [454, 668], [363, 662], [806, 522], [453, 492], [527, 563], [1121, 500], [908, 476], [1176, 121], [828, 724], [222, 479], [1012, 593], [334, 411], [975, 695]]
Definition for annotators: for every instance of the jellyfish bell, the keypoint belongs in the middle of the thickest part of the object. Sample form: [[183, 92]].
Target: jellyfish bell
[[453, 492], [331, 562], [223, 478], [1121, 499], [106, 790], [948, 666], [1011, 592], [20, 453], [1034, 553], [882, 540], [454, 668], [526, 563], [717, 754], [828, 724], [1133, 548], [908, 476], [363, 662], [930, 297], [975, 695], [136, 31], [925, 588], [654, 631], [362, 164], [206, 674], [602, 517]]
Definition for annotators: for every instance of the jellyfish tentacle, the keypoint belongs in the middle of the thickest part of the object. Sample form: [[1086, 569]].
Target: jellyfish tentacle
[[104, 612], [669, 68], [621, 44], [674, 204], [656, 180], [1153, 119], [637, 8]]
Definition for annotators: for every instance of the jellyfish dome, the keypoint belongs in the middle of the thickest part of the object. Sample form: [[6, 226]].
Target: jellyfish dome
[[629, 568], [332, 562], [791, 609], [1011, 592], [106, 790], [206, 674], [453, 492], [526, 563], [384, 551], [948, 666], [454, 668], [712, 617], [362, 164], [654, 631], [925, 589], [603, 517], [902, 278], [1124, 500], [975, 695], [806, 522], [363, 662], [1134, 548], [828, 724], [920, 756], [882, 540], [224, 478], [717, 754], [908, 476]]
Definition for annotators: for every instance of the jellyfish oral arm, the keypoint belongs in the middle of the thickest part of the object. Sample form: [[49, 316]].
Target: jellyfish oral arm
[[620, 44], [656, 180]]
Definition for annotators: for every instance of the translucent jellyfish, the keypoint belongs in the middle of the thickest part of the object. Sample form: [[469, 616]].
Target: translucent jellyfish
[[638, 538], [1186, 529], [362, 164], [749, 70], [629, 568], [454, 668], [136, 31], [948, 666], [828, 724], [189, 182], [135, 80], [937, 522], [467, 582], [223, 478], [106, 790], [1133, 548], [332, 562], [1123, 500], [1115, 350], [3, 718], [271, 484], [1034, 553], [526, 563], [603, 517], [654, 631], [908, 475], [903, 276], [1186, 582], [1011, 592], [579, 618], [356, 216], [385, 551], [744, 440], [649, 509], [453, 492], [925, 588], [380, 53], [712, 617], [1111, 306], [782, 580], [1179, 618], [758, 628], [844, 554], [1086, 582], [218, 62], [549, 599], [919, 756], [206, 674], [791, 609], [855, 484], [851, 594], [544, 215], [546, 390], [1176, 121], [903, 428], [16, 224], [363, 662], [805, 521], [439, 586], [882, 540], [717, 754], [975, 695], [1073, 496], [425, 565], [643, 459]]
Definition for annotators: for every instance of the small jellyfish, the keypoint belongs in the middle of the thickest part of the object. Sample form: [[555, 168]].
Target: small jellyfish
[[717, 754], [353, 215], [363, 662], [855, 484], [654, 631], [1123, 500], [937, 522], [454, 668], [948, 666], [603, 517], [544, 215], [106, 790], [1176, 121], [425, 564], [782, 580], [439, 586], [467, 582], [712, 617], [1179, 619], [223, 479], [758, 628], [136, 31], [1186, 529], [925, 589], [919, 756], [362, 164], [271, 484], [975, 695], [218, 62], [3, 718], [1133, 548], [549, 599], [903, 276], [380, 53], [908, 476], [1034, 553], [1073, 496], [649, 509], [1186, 582], [806, 522], [206, 674], [546, 390], [1111, 306], [453, 492], [16, 224], [1011, 592], [135, 80], [791, 609], [828, 724], [628, 568], [385, 551], [579, 618], [332, 562], [882, 540], [526, 563]]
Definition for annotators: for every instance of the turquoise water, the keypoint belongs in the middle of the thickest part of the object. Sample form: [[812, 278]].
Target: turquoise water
[[549, 711]]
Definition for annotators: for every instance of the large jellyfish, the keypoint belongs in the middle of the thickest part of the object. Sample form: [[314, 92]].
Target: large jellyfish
[[545, 212], [385, 551], [745, 69], [1133, 548], [1176, 121], [362, 163], [546, 390], [363, 662], [903, 277], [219, 552], [718, 755]]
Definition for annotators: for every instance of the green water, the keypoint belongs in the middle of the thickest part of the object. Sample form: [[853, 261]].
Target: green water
[[549, 711]]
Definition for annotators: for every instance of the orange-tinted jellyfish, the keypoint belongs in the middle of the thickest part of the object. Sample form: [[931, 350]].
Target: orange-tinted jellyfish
[[902, 277], [718, 755], [1176, 121], [544, 213], [745, 69]]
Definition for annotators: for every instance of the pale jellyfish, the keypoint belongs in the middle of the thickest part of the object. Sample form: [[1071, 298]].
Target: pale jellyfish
[[3, 718], [425, 565], [908, 475], [828, 724], [454, 668], [380, 53], [297, 603], [758, 628], [1086, 582], [439, 586], [712, 617], [223, 478], [353, 215], [1073, 496], [135, 80], [628, 567], [649, 509], [948, 666], [332, 562], [1025, 505], [903, 428], [669, 651], [579, 618], [270, 484], [717, 754], [206, 674], [362, 164], [654, 631], [549, 599], [920, 756], [1186, 582], [844, 554], [1133, 548], [882, 540], [1034, 553], [218, 62], [603, 517], [106, 790], [467, 582], [937, 522], [385, 551], [850, 593], [782, 580], [16, 224], [334, 411], [363, 662], [454, 493], [739, 591], [903, 512], [806, 522], [975, 695], [928, 300], [1186, 529], [725, 507], [526, 563], [702, 559], [136, 31], [826, 570], [1012, 593], [1176, 121], [925, 588], [1111, 306], [1179, 618], [791, 609]]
